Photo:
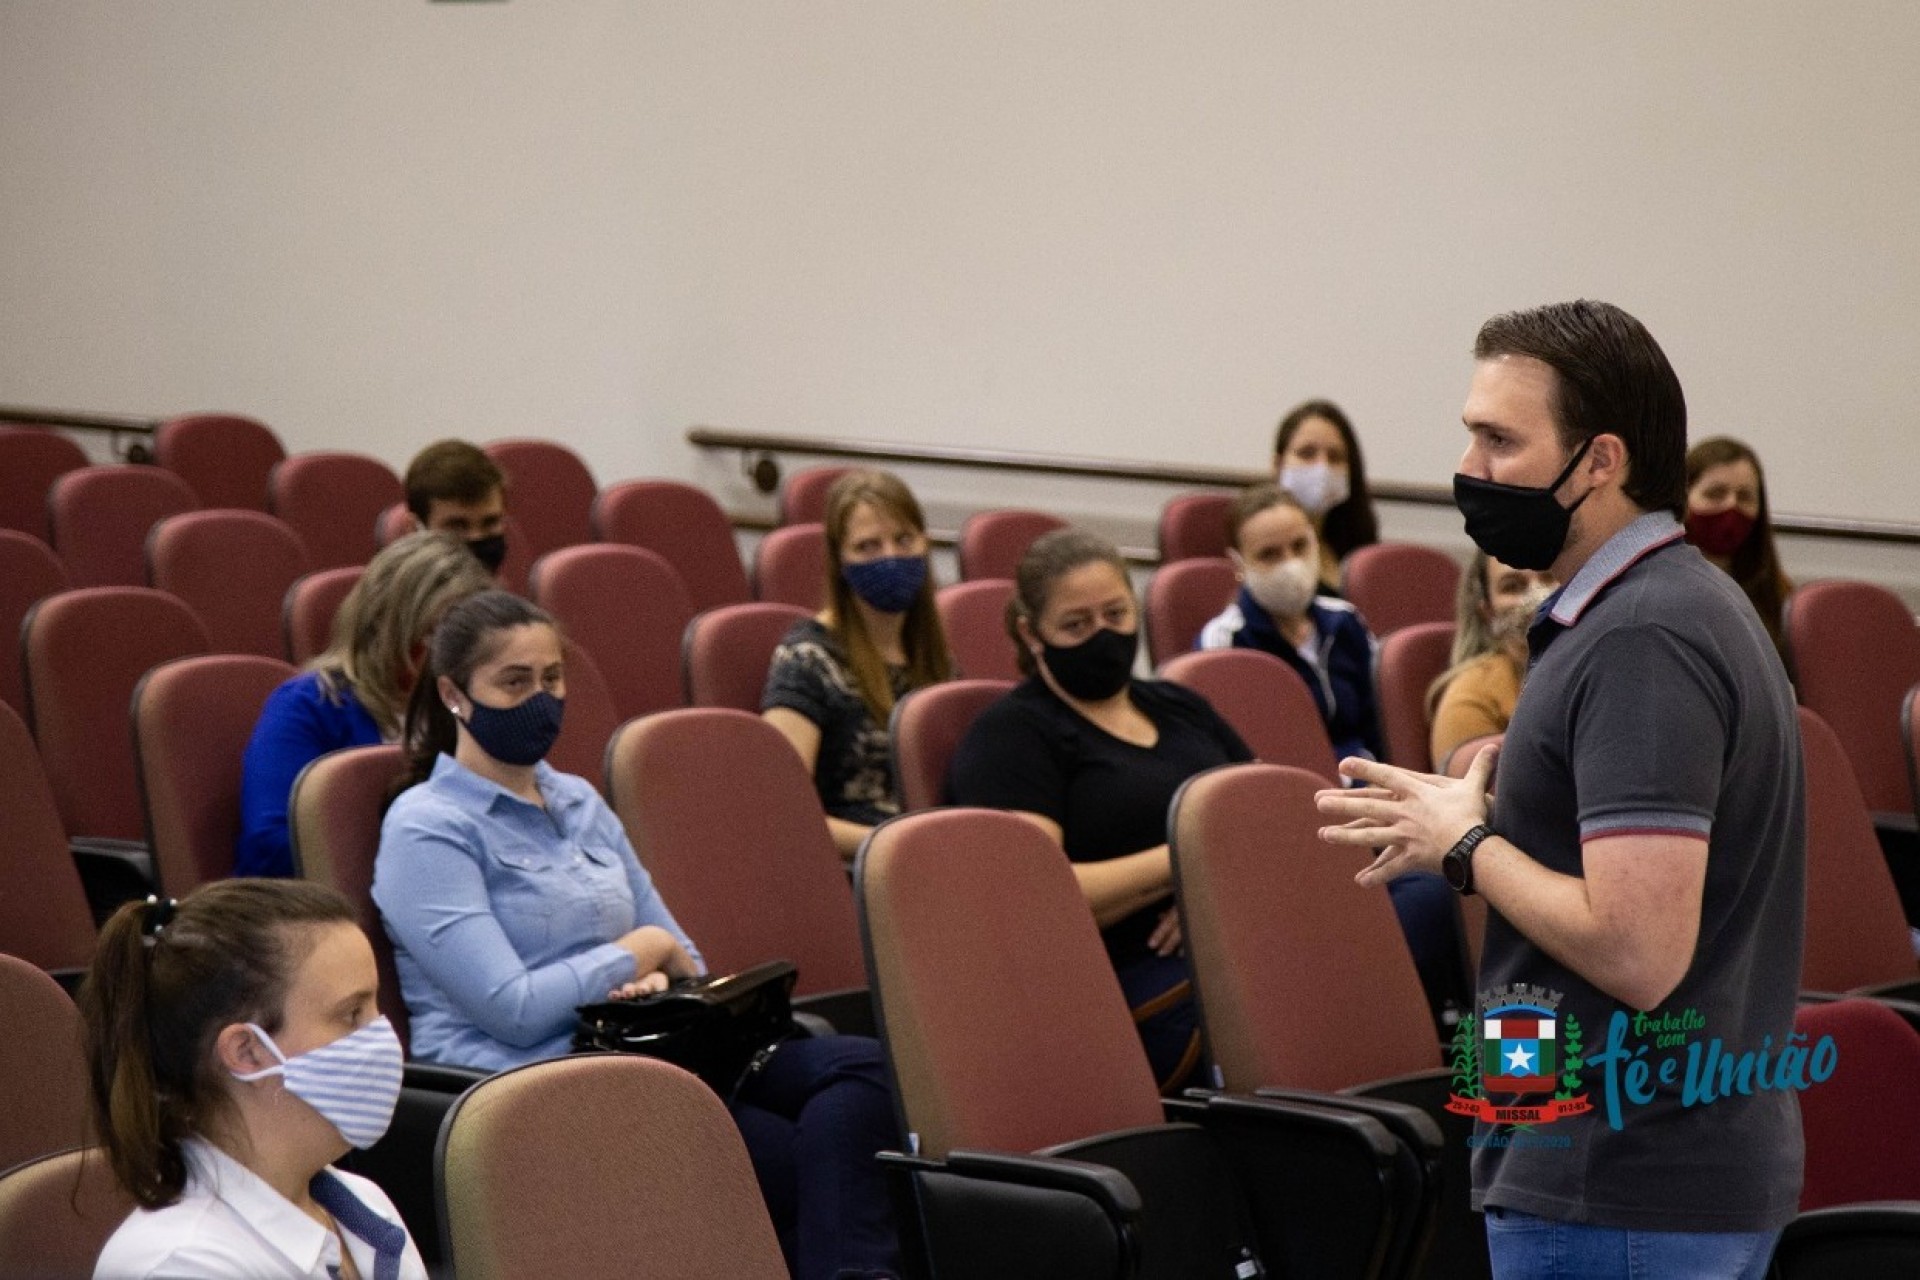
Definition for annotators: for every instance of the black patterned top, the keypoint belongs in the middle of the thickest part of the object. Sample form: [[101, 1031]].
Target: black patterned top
[[854, 769]]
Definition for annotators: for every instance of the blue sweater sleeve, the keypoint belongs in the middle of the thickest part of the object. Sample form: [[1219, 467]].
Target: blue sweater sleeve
[[297, 726], [432, 893]]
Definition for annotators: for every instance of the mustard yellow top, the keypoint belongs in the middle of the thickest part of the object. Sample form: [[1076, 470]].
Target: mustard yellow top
[[1475, 703]]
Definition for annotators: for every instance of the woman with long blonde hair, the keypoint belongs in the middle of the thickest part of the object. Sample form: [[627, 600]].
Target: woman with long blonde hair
[[1475, 696], [355, 693]]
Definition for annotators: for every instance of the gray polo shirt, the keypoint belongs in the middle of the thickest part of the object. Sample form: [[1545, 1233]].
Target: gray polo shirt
[[1656, 703]]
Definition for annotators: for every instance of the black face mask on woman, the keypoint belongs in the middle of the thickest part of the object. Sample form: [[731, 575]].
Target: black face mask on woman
[[1096, 668], [1516, 524]]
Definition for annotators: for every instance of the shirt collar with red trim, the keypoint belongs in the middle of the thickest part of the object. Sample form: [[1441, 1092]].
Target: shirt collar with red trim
[[1639, 539]]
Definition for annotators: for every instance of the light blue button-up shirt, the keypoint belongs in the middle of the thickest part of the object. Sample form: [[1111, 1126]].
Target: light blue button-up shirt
[[503, 914]]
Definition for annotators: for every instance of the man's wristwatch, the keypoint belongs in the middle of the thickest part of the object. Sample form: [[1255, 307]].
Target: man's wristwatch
[[1457, 862]]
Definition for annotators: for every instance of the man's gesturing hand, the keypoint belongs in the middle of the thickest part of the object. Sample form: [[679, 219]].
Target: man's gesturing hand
[[1412, 819]]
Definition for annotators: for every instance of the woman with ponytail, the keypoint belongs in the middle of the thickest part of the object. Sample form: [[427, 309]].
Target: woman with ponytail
[[234, 1051], [513, 896]]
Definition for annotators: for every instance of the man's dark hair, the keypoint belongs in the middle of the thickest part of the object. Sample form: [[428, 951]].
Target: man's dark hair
[[450, 471], [1612, 378]]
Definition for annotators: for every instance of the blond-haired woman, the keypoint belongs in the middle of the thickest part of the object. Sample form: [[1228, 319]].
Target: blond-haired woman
[[1475, 696], [355, 693], [835, 677]]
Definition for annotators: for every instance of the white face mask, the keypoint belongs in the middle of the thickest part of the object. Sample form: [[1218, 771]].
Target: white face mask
[[1285, 589], [1315, 485], [353, 1082], [1510, 624]]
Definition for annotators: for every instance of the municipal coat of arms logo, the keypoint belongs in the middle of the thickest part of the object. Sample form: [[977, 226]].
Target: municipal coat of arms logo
[[1518, 1062]]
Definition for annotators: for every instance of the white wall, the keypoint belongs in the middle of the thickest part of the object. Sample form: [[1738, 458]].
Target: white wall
[[1119, 229]]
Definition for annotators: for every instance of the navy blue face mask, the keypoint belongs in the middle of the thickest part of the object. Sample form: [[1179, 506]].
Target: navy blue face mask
[[889, 584], [521, 734]]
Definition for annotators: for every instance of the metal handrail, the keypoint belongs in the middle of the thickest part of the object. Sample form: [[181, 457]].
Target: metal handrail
[[1847, 528]]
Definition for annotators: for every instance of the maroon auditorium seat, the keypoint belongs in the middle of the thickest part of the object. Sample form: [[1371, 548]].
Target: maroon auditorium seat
[[974, 616], [803, 499], [235, 568], [1855, 649], [1181, 598], [1407, 663], [726, 820], [550, 492], [626, 607], [727, 652], [44, 918], [42, 1069], [101, 517], [225, 457], [307, 613], [192, 720], [333, 501], [1396, 584], [993, 542], [31, 459], [29, 571], [1194, 525], [682, 525], [85, 651], [790, 566], [927, 727], [1265, 701]]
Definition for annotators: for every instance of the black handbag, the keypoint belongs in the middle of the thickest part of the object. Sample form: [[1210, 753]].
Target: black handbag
[[721, 1029]]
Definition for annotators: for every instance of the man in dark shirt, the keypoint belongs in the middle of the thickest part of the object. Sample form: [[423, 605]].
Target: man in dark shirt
[[1645, 859]]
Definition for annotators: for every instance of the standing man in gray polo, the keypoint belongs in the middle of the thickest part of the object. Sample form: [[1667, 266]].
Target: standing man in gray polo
[[1644, 860]]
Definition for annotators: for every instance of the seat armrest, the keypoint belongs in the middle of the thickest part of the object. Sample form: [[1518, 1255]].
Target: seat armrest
[[1004, 1216], [112, 872], [1107, 1187], [1874, 1239], [1330, 1190], [847, 1012], [438, 1077]]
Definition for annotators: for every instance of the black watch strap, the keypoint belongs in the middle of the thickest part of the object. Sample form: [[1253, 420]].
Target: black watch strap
[[1457, 862]]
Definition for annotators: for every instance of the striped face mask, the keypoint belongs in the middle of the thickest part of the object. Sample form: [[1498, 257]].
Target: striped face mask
[[353, 1082]]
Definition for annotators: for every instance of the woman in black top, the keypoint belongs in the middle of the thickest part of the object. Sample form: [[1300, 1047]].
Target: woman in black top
[[835, 677], [1094, 757]]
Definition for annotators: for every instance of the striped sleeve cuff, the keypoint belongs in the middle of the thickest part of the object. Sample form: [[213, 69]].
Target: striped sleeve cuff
[[1646, 822]]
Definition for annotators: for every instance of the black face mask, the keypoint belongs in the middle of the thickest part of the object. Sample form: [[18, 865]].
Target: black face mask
[[1096, 668], [1515, 524], [490, 551]]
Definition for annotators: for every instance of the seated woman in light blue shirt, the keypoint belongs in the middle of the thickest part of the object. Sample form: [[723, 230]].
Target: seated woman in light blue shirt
[[512, 896]]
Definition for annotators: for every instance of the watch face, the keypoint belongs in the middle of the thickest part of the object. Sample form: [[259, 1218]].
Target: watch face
[[1454, 867]]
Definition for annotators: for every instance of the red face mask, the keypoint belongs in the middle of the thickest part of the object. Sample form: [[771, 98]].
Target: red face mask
[[1719, 533]]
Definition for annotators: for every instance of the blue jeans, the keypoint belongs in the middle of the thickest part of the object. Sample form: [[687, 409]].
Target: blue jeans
[[1524, 1247], [812, 1119]]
